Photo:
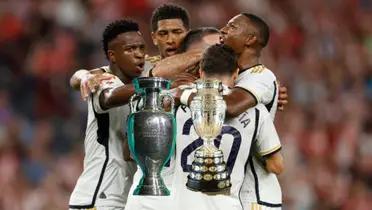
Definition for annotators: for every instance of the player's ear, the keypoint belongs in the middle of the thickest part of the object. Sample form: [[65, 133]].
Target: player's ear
[[153, 36], [111, 56], [251, 40]]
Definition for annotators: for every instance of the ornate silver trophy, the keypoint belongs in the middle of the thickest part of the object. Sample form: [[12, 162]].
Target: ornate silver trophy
[[151, 133], [208, 172]]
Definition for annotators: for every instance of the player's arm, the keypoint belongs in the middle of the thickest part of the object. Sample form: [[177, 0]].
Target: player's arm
[[116, 97], [268, 145], [238, 101], [171, 66], [88, 81], [274, 163]]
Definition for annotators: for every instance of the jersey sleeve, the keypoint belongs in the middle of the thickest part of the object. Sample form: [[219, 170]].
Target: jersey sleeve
[[267, 141], [260, 84], [107, 85]]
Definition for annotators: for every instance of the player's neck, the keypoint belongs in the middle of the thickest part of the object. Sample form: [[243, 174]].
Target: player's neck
[[248, 59], [116, 71]]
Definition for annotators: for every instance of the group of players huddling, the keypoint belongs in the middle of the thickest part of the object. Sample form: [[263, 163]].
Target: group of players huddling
[[248, 139]]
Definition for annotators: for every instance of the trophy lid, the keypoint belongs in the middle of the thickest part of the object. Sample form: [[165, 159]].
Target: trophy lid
[[151, 82]]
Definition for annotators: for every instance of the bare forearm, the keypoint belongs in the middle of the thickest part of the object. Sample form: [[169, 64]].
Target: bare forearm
[[238, 101], [275, 163], [116, 97], [169, 67]]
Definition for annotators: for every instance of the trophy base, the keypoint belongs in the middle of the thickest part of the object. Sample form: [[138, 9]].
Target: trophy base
[[209, 187], [151, 187], [209, 173]]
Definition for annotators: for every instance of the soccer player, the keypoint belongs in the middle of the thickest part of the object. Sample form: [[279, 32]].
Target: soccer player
[[252, 127], [198, 38], [169, 25], [106, 178], [248, 34]]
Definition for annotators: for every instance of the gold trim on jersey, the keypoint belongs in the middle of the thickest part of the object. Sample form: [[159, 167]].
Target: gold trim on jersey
[[270, 150], [255, 206], [257, 69], [152, 59]]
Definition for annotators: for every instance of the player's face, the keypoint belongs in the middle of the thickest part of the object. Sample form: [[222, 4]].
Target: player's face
[[237, 32], [128, 53], [169, 35]]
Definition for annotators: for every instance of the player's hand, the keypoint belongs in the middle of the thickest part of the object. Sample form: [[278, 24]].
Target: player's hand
[[283, 97], [91, 82]]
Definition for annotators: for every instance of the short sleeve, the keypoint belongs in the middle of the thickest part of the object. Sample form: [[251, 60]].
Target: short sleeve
[[260, 84], [267, 141], [107, 85]]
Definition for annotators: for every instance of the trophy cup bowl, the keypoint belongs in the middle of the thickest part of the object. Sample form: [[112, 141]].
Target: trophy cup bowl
[[151, 134], [208, 170]]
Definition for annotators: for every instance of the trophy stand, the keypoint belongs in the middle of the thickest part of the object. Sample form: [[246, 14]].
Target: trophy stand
[[209, 173]]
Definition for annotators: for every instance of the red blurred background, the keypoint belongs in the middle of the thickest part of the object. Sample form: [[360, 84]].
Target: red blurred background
[[320, 49]]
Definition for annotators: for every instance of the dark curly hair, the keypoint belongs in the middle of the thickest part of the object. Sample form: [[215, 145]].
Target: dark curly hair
[[114, 29], [169, 11], [219, 59]]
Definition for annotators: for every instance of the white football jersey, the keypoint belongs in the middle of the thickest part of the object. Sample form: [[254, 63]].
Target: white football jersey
[[235, 141], [106, 178], [260, 187], [261, 82]]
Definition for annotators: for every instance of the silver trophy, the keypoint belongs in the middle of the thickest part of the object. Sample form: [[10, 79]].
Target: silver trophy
[[208, 170], [151, 133]]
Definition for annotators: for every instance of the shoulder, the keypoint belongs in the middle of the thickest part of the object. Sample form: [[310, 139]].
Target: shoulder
[[257, 72]]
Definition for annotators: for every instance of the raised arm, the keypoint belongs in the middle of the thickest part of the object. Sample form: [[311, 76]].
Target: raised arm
[[171, 66], [116, 97], [238, 101], [88, 81]]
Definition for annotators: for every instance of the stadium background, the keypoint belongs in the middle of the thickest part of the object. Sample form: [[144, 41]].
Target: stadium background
[[320, 49]]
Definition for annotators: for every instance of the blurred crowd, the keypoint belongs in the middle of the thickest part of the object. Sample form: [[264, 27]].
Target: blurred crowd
[[321, 50]]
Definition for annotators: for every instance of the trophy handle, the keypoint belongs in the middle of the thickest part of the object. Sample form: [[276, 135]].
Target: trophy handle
[[132, 103], [170, 96]]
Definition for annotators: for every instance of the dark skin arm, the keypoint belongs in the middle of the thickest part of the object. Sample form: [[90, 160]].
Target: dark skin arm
[[169, 67], [237, 102], [116, 97]]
